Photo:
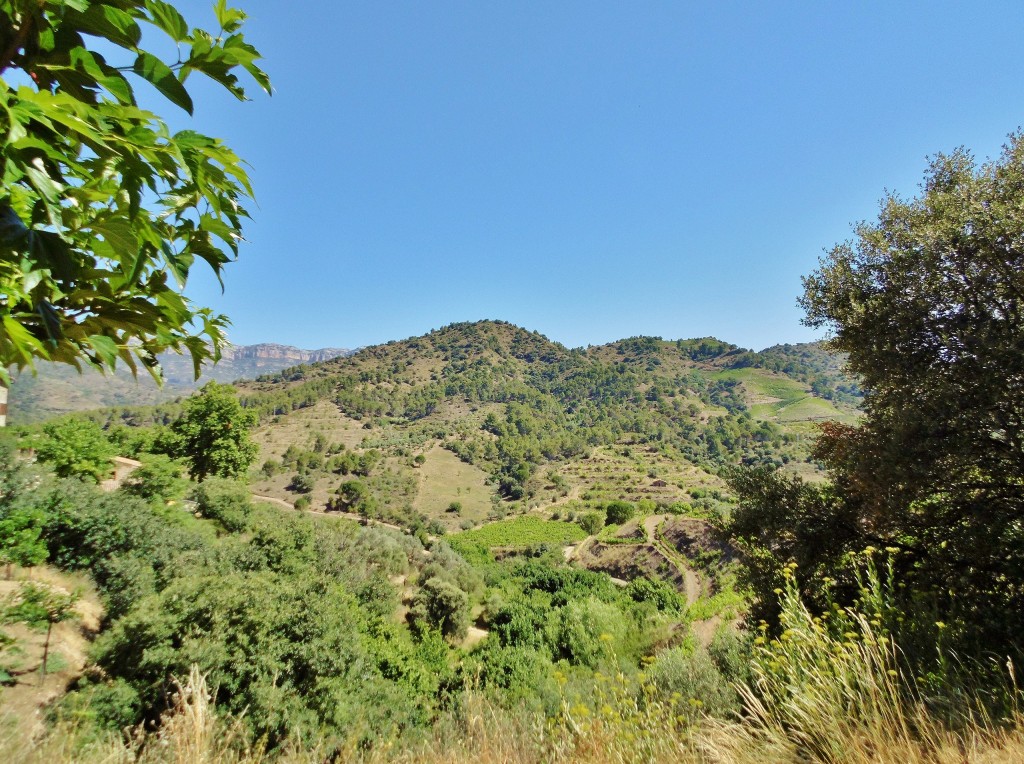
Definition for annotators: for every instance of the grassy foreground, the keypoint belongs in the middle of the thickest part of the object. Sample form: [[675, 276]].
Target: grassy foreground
[[820, 692]]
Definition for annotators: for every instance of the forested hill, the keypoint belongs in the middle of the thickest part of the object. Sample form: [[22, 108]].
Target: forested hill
[[523, 410]]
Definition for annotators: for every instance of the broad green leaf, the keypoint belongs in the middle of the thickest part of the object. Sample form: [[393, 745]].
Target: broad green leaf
[[109, 22], [167, 18], [95, 66], [105, 348], [23, 345], [50, 319], [154, 70], [40, 179], [229, 19], [120, 235], [178, 265]]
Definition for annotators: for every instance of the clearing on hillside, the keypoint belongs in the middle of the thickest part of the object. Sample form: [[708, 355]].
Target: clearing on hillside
[[443, 479]]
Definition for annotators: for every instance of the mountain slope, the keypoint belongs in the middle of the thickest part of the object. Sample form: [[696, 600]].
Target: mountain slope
[[540, 425], [59, 388]]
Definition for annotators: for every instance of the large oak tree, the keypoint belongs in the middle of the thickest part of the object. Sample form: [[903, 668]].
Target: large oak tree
[[927, 302]]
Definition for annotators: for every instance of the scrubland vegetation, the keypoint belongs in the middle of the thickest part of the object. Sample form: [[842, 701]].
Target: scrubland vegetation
[[479, 545]]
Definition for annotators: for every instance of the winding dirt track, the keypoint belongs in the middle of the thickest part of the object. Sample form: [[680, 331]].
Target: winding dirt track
[[692, 584], [346, 515]]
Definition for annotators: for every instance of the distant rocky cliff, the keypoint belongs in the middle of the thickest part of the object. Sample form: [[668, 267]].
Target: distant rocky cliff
[[58, 388], [270, 351]]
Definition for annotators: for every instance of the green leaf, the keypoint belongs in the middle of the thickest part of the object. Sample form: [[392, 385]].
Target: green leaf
[[105, 349], [120, 235], [50, 320], [178, 264], [229, 19], [96, 67], [167, 18], [111, 23], [21, 344], [40, 179], [151, 68]]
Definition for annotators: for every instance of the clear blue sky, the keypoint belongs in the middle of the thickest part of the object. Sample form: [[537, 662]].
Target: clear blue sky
[[589, 170]]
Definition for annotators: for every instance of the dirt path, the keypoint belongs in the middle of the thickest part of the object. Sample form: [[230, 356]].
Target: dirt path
[[24, 701], [347, 515], [692, 584], [474, 636], [573, 551]]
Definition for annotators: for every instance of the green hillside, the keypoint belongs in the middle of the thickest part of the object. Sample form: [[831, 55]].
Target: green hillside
[[533, 425]]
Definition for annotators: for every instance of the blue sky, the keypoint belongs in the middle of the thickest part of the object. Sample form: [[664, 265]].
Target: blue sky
[[589, 170]]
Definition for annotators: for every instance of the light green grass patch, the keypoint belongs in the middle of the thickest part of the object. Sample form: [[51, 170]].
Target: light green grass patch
[[518, 533], [759, 382]]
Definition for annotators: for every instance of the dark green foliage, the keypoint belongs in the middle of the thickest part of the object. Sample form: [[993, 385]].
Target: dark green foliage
[[21, 536], [226, 501], [104, 208], [618, 512], [591, 522], [302, 483], [660, 593], [113, 705], [354, 496], [441, 605], [159, 477], [925, 303], [292, 651], [212, 434], [76, 448]]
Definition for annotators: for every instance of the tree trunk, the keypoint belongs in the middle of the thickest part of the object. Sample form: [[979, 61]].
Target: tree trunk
[[3, 405], [46, 652]]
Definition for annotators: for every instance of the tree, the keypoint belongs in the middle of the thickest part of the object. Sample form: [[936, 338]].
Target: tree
[[39, 604], [591, 522], [441, 605], [103, 210], [226, 501], [159, 477], [212, 434], [21, 539], [77, 448], [618, 512], [928, 303]]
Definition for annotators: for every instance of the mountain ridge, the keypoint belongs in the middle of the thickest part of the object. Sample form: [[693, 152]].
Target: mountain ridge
[[58, 388]]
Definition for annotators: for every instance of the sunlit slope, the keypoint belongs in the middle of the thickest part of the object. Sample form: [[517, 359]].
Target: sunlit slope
[[475, 421]]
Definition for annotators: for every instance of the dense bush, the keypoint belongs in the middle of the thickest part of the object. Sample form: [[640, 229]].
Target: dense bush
[[225, 500]]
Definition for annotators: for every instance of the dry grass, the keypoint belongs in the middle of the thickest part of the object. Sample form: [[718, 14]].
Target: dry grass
[[827, 690], [444, 478], [859, 722]]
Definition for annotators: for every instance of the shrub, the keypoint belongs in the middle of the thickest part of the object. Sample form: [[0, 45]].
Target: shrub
[[160, 477], [441, 605], [226, 501], [618, 512], [302, 483], [591, 522], [695, 677]]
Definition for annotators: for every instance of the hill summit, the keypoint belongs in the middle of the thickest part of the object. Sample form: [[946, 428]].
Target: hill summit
[[522, 415]]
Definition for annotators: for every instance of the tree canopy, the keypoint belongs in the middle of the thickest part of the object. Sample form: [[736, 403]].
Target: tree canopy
[[212, 434], [927, 302], [103, 209]]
